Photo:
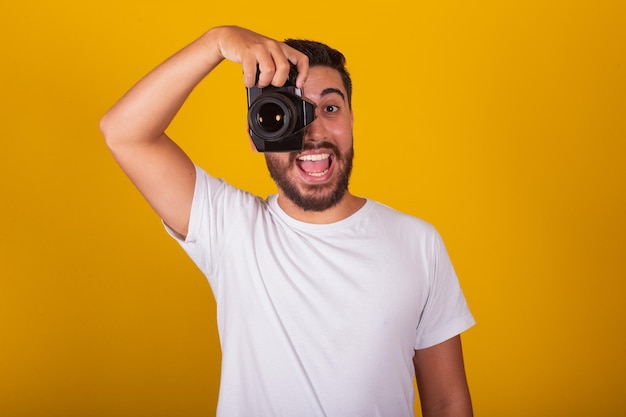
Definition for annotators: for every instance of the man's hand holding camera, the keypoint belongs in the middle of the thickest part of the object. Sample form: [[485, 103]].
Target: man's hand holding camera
[[274, 74], [253, 51]]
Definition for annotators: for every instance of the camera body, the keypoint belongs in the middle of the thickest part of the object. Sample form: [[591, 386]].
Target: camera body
[[277, 116]]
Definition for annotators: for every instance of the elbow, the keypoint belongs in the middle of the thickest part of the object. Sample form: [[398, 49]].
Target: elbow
[[107, 130], [122, 130], [115, 132]]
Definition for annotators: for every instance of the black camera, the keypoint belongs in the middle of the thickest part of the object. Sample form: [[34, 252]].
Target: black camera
[[277, 116]]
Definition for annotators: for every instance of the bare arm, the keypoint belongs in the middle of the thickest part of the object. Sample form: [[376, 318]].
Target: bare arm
[[134, 128], [441, 380]]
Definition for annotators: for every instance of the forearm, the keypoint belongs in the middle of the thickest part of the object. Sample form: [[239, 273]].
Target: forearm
[[441, 380], [459, 408], [144, 112]]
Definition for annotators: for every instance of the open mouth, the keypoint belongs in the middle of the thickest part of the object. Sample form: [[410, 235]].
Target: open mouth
[[315, 165]]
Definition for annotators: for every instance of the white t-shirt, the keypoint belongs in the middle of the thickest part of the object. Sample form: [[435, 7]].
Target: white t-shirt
[[320, 320]]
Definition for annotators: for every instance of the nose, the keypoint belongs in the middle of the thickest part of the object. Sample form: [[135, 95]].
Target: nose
[[316, 130]]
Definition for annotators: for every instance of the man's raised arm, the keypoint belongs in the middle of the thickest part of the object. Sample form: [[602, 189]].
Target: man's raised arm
[[134, 128]]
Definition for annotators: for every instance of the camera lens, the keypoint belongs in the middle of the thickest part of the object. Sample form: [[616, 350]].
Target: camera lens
[[271, 117]]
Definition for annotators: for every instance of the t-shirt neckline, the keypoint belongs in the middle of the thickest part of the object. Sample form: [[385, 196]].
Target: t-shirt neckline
[[340, 224]]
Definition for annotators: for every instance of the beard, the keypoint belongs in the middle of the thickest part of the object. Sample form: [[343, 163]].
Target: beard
[[312, 197]]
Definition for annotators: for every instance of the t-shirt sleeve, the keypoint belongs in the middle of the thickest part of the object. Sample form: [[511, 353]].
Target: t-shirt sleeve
[[197, 242], [215, 207], [446, 313]]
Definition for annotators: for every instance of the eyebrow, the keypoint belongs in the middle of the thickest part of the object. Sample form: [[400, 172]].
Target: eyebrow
[[331, 90]]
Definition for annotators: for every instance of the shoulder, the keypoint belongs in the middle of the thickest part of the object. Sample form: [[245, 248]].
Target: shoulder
[[217, 204], [215, 188], [401, 221]]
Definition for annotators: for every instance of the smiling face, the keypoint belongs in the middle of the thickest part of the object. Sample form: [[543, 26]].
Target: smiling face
[[316, 179]]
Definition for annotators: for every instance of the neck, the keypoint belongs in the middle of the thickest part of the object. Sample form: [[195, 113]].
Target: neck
[[348, 205]]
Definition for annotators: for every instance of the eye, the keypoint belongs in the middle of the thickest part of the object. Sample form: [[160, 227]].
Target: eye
[[331, 109]]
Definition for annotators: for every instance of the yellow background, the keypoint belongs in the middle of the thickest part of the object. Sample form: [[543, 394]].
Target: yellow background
[[502, 123]]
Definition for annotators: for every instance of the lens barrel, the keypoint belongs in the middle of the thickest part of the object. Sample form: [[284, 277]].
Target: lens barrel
[[272, 116], [277, 116]]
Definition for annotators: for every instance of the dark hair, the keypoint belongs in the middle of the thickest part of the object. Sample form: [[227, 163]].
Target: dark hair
[[320, 54]]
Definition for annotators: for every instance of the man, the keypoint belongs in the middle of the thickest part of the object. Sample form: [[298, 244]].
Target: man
[[329, 304]]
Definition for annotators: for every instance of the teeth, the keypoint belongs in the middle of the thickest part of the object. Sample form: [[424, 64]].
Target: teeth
[[314, 157], [317, 174]]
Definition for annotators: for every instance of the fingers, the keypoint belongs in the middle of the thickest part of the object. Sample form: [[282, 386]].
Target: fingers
[[273, 67], [272, 58], [253, 51], [274, 64], [249, 72], [301, 62]]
